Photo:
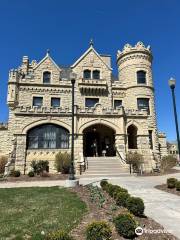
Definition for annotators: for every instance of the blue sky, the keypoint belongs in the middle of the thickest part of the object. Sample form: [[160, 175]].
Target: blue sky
[[65, 27]]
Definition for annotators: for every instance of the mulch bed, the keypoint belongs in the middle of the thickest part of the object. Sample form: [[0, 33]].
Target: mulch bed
[[26, 178], [164, 188], [107, 212]]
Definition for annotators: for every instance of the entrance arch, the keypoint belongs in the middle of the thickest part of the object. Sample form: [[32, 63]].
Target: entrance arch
[[99, 140]]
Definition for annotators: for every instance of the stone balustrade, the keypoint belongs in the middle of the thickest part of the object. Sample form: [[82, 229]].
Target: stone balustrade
[[135, 112], [92, 81], [97, 110]]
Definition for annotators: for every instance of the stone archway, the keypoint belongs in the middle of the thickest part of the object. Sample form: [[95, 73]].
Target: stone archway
[[132, 137], [98, 140]]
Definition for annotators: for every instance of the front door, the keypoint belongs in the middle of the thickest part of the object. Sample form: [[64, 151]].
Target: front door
[[98, 140]]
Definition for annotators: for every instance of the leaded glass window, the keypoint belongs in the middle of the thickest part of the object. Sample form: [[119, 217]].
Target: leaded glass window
[[48, 136]]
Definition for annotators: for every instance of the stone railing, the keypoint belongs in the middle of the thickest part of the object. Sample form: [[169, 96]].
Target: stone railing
[[92, 81], [134, 112], [96, 110], [3, 126]]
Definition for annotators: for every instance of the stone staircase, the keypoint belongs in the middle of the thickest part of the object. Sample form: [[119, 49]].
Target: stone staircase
[[105, 167]]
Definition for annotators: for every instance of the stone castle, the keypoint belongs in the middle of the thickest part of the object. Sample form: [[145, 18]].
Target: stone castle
[[112, 115]]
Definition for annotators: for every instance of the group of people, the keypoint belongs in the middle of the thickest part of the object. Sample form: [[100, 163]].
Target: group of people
[[105, 149]]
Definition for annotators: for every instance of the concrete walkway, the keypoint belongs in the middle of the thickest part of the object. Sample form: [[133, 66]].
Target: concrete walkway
[[163, 207]]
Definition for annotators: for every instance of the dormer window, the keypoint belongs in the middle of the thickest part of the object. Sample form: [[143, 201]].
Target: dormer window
[[87, 74], [46, 77], [141, 77], [96, 74]]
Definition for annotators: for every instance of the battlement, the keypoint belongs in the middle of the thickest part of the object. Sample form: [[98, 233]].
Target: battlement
[[161, 135], [139, 47], [3, 126]]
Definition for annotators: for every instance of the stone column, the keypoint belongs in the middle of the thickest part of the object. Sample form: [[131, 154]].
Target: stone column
[[20, 152], [144, 149], [78, 152]]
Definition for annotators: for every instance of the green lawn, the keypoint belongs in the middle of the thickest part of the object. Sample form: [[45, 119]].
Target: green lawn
[[25, 212]]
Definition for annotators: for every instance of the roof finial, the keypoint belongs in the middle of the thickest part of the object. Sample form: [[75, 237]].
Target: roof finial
[[91, 43], [47, 52]]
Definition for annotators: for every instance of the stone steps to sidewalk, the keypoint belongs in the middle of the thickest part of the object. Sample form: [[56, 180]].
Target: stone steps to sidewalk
[[105, 167]]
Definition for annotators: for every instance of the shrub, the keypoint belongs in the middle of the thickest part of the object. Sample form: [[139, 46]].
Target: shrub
[[104, 184], [168, 162], [15, 173], [121, 198], [118, 190], [125, 225], [31, 174], [98, 230], [63, 162], [135, 205], [39, 166], [178, 186], [171, 182], [3, 161], [135, 160], [59, 235]]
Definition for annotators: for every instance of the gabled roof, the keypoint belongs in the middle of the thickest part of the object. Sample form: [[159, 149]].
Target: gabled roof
[[46, 57], [91, 48]]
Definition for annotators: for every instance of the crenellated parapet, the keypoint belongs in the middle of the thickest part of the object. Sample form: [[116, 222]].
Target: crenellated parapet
[[14, 75], [139, 51], [3, 126]]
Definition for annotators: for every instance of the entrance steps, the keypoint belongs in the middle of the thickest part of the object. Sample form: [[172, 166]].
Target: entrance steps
[[105, 167]]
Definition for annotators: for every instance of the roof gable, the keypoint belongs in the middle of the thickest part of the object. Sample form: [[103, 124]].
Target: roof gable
[[86, 53], [44, 59]]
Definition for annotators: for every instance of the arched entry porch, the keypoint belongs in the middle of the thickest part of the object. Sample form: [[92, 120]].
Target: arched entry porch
[[99, 140]]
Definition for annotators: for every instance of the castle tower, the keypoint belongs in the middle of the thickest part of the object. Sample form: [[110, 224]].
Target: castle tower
[[135, 75]]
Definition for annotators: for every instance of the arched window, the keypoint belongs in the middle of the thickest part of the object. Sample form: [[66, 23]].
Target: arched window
[[132, 137], [96, 74], [87, 74], [48, 136], [141, 77], [46, 77]]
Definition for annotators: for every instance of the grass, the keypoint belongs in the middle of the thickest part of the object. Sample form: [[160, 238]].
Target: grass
[[26, 212]]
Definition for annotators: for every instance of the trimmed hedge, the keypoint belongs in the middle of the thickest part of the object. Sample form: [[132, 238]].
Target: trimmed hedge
[[135, 205], [31, 174], [104, 184], [125, 225], [98, 230], [171, 182], [121, 198], [178, 186], [15, 173]]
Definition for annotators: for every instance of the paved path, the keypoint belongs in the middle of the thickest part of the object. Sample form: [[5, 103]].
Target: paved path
[[161, 206]]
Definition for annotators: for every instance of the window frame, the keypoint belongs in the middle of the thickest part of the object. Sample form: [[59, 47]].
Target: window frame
[[33, 98], [88, 98], [90, 72], [50, 79], [57, 138], [141, 83], [53, 98], [148, 110], [96, 70], [115, 101]]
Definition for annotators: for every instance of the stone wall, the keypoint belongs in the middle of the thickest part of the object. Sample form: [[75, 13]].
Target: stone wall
[[4, 140]]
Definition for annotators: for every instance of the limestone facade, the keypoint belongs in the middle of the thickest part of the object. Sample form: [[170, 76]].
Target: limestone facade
[[122, 105]]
